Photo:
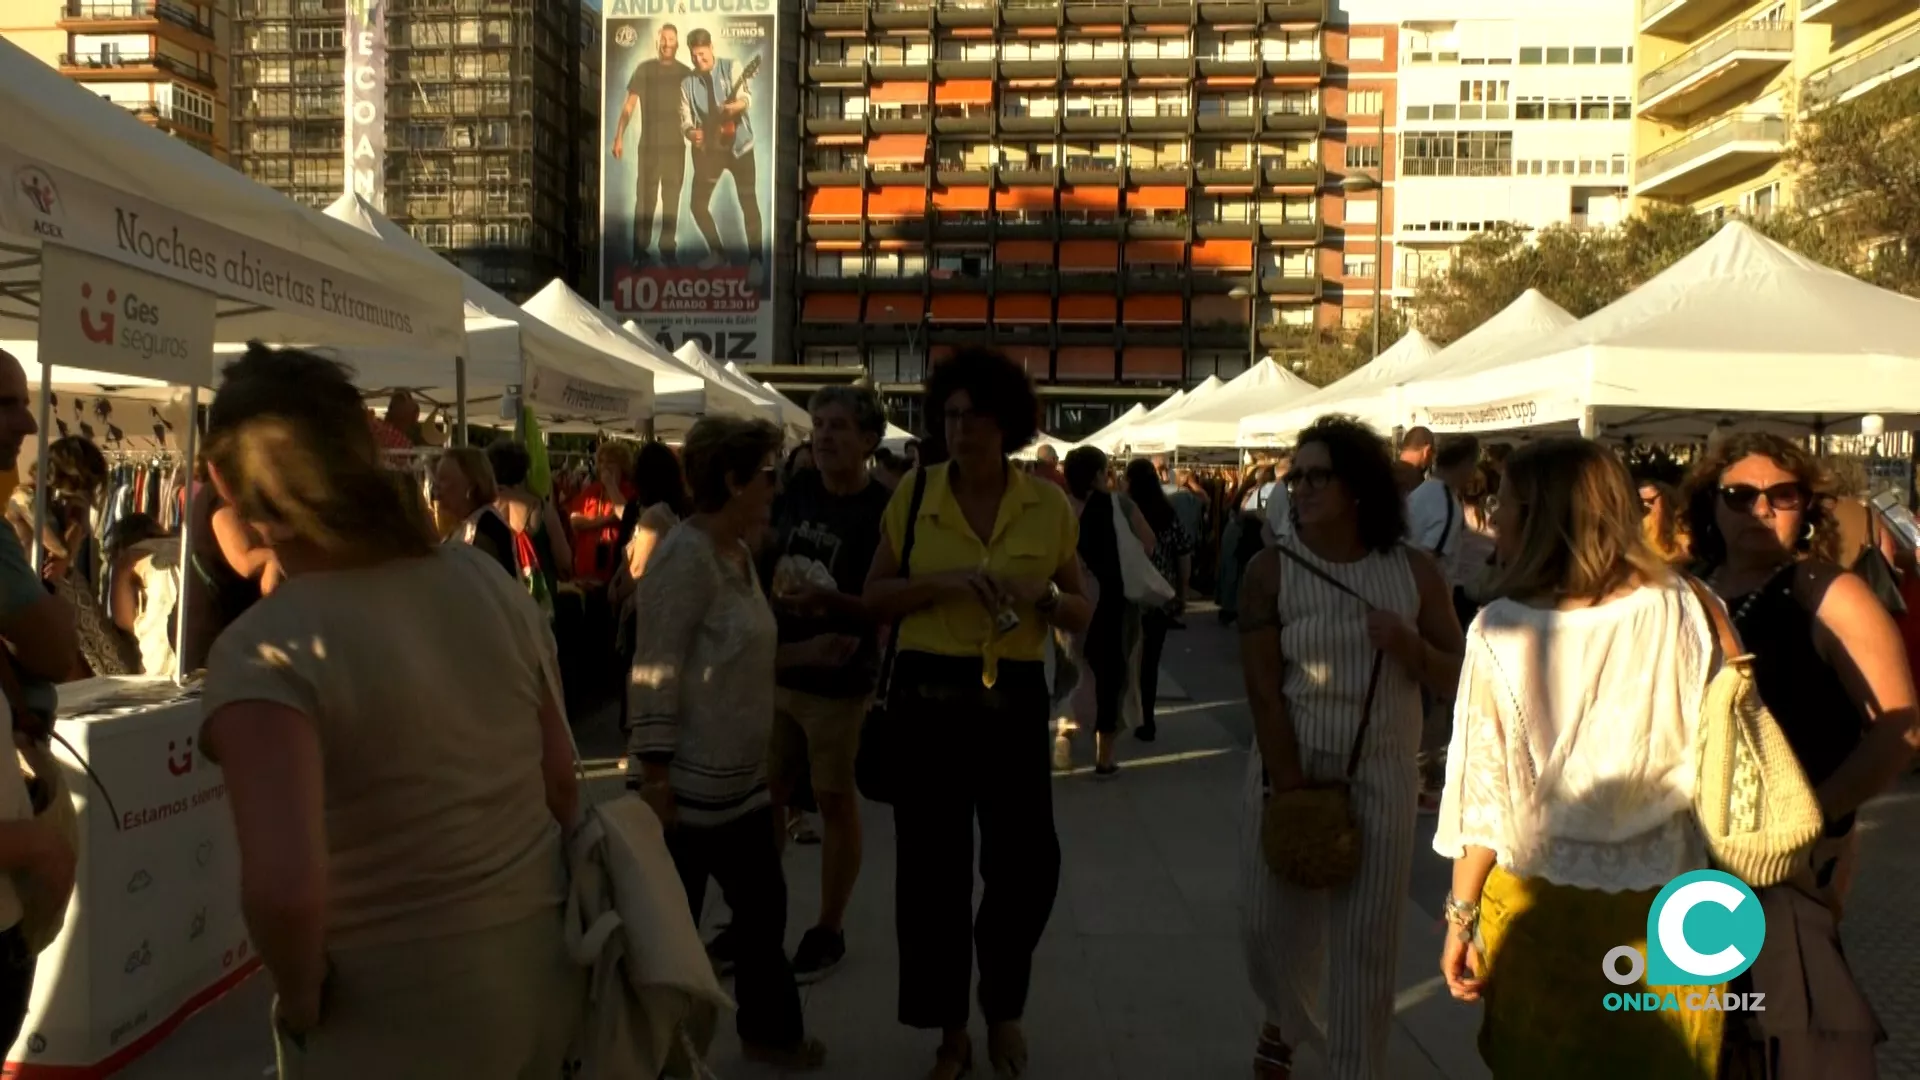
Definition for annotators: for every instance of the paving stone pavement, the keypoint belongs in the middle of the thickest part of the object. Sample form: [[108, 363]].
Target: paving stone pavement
[[1139, 976]]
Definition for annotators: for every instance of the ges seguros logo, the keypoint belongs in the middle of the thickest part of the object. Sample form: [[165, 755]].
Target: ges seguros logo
[[136, 322], [1704, 928]]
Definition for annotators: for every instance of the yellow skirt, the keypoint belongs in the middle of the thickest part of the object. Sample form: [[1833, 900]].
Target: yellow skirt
[[1544, 1014]]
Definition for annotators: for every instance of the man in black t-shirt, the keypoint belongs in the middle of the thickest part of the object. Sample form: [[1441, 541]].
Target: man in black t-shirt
[[827, 524], [655, 90]]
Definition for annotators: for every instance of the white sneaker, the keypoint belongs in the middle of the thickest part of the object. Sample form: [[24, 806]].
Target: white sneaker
[[713, 261]]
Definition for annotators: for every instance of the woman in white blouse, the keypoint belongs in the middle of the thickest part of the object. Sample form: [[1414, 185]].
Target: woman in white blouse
[[1570, 775]]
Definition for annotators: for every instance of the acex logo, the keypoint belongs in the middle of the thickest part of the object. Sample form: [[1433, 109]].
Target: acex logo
[[101, 334]]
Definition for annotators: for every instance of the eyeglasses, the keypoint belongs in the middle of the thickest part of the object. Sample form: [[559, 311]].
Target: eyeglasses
[[1313, 479], [1741, 498], [955, 416]]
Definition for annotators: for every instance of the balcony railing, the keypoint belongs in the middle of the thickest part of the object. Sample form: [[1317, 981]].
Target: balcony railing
[[123, 61], [174, 117], [1840, 81], [1750, 37], [126, 10], [1736, 128]]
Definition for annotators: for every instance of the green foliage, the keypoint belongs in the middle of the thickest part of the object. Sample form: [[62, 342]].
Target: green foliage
[[1858, 174], [1325, 356]]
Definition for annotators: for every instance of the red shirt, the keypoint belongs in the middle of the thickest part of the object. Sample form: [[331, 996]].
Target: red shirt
[[1051, 473], [589, 562]]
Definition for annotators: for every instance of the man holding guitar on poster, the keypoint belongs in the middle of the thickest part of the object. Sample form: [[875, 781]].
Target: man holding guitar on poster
[[713, 117]]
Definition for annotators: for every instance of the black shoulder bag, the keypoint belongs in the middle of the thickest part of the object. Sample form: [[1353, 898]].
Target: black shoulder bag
[[879, 764]]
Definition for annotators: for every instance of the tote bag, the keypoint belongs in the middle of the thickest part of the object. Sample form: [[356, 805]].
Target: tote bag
[[1144, 584]]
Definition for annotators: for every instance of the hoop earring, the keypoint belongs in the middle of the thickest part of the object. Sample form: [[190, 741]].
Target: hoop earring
[[1806, 538]]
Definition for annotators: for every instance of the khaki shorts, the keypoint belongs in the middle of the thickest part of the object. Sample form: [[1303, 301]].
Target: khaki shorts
[[817, 733]]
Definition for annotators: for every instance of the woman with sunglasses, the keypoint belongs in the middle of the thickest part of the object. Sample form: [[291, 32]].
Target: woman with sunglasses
[[702, 703], [1663, 520], [1342, 624], [1828, 660]]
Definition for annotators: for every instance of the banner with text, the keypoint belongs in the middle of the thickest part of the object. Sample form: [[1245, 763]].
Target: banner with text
[[686, 199], [102, 315], [63, 209], [366, 114], [570, 398]]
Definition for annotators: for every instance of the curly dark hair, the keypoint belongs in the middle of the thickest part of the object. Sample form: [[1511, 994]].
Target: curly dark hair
[[995, 385], [1082, 468], [75, 466], [1708, 547], [1364, 463]]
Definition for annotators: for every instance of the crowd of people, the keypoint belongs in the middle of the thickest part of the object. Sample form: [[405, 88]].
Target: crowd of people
[[1517, 641]]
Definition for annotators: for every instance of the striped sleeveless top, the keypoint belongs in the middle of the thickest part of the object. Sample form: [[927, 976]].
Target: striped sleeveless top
[[1323, 634]]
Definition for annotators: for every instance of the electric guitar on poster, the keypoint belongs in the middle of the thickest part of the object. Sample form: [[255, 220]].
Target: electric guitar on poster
[[721, 128]]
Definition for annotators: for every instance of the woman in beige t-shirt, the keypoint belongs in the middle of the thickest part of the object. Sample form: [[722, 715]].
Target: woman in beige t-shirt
[[395, 757]]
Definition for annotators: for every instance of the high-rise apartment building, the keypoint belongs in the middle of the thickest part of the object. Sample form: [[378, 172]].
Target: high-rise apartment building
[[163, 60], [491, 124], [1723, 82], [1509, 112], [1104, 190]]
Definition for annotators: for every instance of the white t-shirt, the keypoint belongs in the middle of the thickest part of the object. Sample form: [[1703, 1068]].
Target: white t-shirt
[[1434, 516]]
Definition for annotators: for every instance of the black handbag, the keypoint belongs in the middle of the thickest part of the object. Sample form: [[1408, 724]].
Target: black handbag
[[879, 766], [1873, 568]]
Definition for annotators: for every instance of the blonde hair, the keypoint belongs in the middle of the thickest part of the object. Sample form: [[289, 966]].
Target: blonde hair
[[290, 440], [617, 454], [473, 464], [1579, 522]]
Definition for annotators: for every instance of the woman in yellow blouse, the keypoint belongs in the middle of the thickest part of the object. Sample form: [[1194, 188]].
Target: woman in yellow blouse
[[993, 567]]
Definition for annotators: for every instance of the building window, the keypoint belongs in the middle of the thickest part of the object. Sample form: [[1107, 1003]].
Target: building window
[[1614, 55], [1457, 153], [1357, 266], [1531, 55], [309, 38], [1365, 156], [1761, 201], [1366, 48], [1364, 102], [1362, 211], [1419, 112]]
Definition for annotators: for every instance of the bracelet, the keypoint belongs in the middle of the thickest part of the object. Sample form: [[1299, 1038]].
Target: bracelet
[[1462, 915]]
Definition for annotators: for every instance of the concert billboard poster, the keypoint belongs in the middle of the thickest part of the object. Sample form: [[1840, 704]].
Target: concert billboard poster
[[686, 198]]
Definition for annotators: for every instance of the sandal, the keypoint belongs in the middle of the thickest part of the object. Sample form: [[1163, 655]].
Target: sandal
[[801, 831], [1007, 1049], [952, 1063], [802, 1056]]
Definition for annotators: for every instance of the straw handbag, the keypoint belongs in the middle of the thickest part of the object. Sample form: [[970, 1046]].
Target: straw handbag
[[1308, 834], [1756, 810]]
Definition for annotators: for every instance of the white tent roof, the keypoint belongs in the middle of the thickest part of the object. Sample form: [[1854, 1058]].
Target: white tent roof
[[1741, 327], [1378, 398], [678, 393], [763, 400], [897, 439], [506, 347], [1108, 438], [285, 272], [1213, 420], [794, 417]]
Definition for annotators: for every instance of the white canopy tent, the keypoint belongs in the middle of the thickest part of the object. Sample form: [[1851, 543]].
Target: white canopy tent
[[1107, 439], [569, 383], [897, 438], [86, 174], [1380, 400], [1344, 395], [1061, 447], [680, 395], [794, 418], [1741, 330], [1212, 421]]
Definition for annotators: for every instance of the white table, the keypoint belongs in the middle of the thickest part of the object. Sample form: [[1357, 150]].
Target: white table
[[154, 932]]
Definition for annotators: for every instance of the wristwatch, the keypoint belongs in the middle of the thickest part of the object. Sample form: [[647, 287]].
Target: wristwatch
[[1050, 601]]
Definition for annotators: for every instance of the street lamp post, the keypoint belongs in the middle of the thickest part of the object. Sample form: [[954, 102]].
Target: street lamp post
[[1251, 294], [1354, 183]]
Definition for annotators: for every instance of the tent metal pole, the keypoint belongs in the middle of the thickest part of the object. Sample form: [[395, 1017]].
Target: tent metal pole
[[186, 537], [460, 401], [45, 420]]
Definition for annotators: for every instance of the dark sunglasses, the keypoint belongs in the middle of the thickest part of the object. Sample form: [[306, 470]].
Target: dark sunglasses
[[1741, 498], [1313, 479]]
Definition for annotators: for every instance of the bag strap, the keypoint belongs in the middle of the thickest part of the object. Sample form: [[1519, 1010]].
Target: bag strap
[[906, 566], [1446, 530], [1726, 639], [23, 719], [1373, 676]]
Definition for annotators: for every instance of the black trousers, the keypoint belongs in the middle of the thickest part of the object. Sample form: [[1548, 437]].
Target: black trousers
[[1106, 652], [746, 191], [16, 983], [978, 753], [742, 857], [663, 172], [1153, 643]]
